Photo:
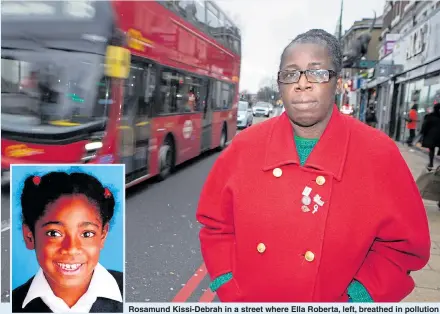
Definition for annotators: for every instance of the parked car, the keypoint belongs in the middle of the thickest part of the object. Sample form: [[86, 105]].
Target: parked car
[[244, 115], [261, 109]]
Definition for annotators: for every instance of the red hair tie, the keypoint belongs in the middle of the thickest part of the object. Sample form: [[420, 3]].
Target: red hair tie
[[36, 180], [107, 193]]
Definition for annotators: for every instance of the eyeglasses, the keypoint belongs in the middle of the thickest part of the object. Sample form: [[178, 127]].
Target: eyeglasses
[[312, 76]]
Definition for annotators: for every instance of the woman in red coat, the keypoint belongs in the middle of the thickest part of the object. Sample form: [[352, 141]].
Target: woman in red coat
[[312, 206]]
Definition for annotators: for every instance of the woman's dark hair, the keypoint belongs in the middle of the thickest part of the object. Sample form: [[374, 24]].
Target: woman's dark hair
[[415, 107], [320, 37], [38, 192]]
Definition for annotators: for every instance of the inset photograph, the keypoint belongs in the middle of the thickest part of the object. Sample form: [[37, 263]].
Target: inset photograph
[[67, 238]]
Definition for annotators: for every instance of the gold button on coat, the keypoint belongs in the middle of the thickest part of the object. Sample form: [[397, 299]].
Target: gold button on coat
[[309, 256], [261, 247], [277, 172], [320, 180]]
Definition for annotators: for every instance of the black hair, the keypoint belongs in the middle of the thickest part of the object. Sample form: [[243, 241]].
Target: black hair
[[321, 37], [415, 106], [39, 192]]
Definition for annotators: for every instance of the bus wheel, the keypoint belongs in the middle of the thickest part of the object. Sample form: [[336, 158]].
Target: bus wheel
[[166, 164], [223, 139]]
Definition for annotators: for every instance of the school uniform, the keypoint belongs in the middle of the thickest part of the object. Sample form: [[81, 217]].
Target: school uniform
[[104, 295], [345, 222]]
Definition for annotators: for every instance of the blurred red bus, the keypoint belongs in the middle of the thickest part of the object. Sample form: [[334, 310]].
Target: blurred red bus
[[147, 84]]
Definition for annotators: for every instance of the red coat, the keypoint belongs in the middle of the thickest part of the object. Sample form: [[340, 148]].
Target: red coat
[[372, 225]]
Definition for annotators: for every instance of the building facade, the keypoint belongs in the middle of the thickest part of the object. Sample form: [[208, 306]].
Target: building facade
[[409, 70], [351, 78]]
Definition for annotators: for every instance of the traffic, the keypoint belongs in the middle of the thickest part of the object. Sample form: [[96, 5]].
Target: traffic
[[114, 90]]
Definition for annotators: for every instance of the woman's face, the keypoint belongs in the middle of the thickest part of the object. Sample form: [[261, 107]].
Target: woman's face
[[308, 103], [68, 240]]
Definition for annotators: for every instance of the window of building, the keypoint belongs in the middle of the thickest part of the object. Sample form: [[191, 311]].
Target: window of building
[[423, 99], [434, 93]]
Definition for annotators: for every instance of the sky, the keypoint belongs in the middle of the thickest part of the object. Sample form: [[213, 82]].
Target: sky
[[267, 27]]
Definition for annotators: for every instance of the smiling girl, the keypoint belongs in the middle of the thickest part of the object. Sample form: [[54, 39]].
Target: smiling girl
[[66, 221]]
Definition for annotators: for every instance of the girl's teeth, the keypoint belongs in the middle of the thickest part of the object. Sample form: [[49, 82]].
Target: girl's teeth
[[69, 266]]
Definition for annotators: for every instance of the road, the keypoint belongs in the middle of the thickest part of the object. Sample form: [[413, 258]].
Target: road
[[163, 261], [162, 248]]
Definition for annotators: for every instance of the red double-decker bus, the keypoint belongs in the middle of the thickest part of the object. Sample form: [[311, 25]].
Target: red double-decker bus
[[147, 84]]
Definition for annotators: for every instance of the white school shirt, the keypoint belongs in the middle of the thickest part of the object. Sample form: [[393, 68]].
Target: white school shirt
[[103, 284]]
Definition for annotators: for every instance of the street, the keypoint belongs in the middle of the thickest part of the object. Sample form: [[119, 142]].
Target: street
[[163, 261]]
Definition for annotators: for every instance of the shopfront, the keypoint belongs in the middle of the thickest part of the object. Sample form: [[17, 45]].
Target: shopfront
[[418, 54], [379, 90]]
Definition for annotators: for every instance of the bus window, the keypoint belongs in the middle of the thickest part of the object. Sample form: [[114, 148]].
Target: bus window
[[103, 98], [132, 90], [196, 94], [212, 20], [171, 91], [201, 13], [149, 88], [226, 92], [216, 95], [231, 94], [228, 39], [221, 29]]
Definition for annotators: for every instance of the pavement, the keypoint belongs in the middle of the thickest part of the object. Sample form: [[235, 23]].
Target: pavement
[[163, 261], [428, 279]]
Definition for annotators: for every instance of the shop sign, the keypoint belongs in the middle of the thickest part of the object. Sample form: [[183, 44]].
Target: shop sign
[[417, 42]]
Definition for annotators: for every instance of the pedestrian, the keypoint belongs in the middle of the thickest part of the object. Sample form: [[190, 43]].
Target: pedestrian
[[411, 124], [431, 133], [312, 206], [371, 118], [66, 221]]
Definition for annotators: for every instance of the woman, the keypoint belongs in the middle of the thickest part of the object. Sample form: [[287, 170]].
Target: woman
[[312, 206], [431, 133], [66, 220]]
